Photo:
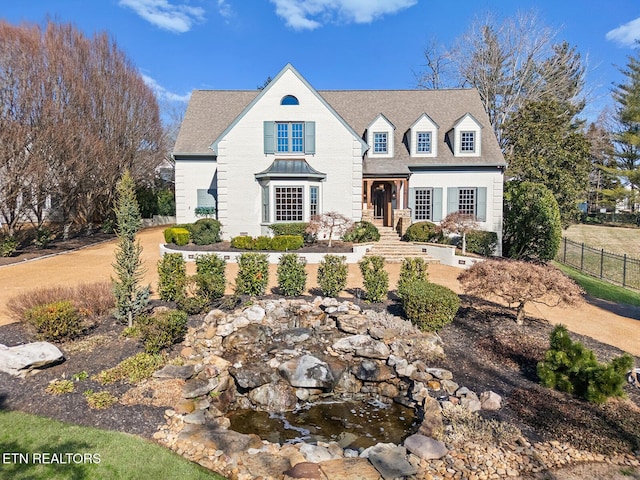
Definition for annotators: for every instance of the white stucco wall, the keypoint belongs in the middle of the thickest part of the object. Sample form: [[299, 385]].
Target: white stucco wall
[[241, 155], [191, 175], [468, 124]]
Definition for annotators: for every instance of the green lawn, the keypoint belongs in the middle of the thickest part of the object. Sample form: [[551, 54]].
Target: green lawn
[[28, 442], [600, 289]]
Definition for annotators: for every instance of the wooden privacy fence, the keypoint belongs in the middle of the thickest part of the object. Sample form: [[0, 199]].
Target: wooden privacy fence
[[614, 268]]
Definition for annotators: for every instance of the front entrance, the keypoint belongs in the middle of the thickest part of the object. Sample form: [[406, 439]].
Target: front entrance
[[382, 203], [382, 197]]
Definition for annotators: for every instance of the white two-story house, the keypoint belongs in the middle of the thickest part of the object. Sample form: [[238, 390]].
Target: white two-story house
[[288, 152]]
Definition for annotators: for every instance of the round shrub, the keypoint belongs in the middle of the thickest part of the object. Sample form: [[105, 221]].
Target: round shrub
[[162, 330], [178, 235], [55, 321], [283, 243], [253, 274], [172, 273], [332, 275], [8, 246], [210, 277], [206, 231], [422, 232], [243, 242], [481, 242], [362, 232], [375, 278], [292, 276], [429, 306]]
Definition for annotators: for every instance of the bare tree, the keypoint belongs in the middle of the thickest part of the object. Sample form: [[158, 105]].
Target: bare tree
[[518, 283], [329, 224], [438, 67], [459, 223]]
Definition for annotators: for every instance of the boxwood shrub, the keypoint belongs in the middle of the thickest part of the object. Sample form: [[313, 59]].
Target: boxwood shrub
[[294, 228], [428, 305], [422, 232], [362, 232], [206, 231], [482, 243], [283, 243], [262, 243], [172, 274], [178, 235], [243, 242]]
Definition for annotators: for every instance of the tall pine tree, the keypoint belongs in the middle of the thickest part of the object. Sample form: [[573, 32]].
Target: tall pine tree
[[131, 297], [627, 136]]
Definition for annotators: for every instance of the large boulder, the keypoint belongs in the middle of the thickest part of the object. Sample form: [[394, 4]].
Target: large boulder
[[22, 359], [426, 448], [307, 371], [274, 397], [363, 346]]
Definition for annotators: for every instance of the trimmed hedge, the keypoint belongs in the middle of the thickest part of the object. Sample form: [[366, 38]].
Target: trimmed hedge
[[295, 228], [178, 235], [412, 269], [428, 305], [362, 232], [253, 274], [481, 242], [210, 277], [172, 275], [422, 232], [292, 276], [279, 243], [332, 275], [243, 242], [375, 278], [283, 243]]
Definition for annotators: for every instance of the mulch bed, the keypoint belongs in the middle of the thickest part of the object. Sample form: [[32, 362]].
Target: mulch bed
[[484, 347]]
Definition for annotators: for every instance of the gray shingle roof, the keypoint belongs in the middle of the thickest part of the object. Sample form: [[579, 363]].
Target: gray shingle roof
[[211, 111]]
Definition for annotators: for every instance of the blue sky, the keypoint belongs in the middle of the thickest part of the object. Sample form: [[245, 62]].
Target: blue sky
[[181, 45]]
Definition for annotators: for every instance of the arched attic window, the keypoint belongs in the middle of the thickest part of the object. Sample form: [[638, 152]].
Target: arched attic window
[[289, 100]]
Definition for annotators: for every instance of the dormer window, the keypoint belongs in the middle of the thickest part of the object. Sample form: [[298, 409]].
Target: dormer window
[[380, 144], [289, 100], [468, 142], [423, 141]]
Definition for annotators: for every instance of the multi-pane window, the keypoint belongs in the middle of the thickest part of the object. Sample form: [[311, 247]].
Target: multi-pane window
[[423, 203], [467, 201], [380, 142], [289, 204], [423, 140], [290, 137], [313, 201], [468, 141]]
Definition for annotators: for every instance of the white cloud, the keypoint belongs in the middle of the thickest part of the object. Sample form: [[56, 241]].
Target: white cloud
[[224, 9], [627, 34], [162, 93], [311, 14], [163, 14]]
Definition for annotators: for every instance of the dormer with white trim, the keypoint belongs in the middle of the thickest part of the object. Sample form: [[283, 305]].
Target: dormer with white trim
[[380, 138], [466, 137], [423, 137]]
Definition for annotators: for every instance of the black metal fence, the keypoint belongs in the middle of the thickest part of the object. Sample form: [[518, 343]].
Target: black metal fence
[[614, 268]]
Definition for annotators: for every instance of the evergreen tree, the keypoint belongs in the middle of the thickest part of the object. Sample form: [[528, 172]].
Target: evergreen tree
[[627, 136], [131, 298], [545, 145], [605, 188]]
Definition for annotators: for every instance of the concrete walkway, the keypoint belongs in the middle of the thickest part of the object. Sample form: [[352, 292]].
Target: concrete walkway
[[605, 322]]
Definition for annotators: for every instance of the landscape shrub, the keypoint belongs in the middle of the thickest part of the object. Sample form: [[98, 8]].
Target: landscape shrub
[[8, 246], [422, 232], [99, 400], [284, 243], [59, 387], [55, 321], [206, 231], [210, 277], [570, 367], [43, 237], [253, 274], [362, 232], [294, 228], [92, 299], [292, 275], [375, 278], [428, 305], [177, 235], [192, 302], [412, 269], [332, 275], [133, 369], [243, 242], [161, 330], [262, 243], [481, 242], [172, 274]]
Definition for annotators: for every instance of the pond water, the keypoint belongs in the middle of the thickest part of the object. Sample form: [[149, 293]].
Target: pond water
[[352, 424]]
